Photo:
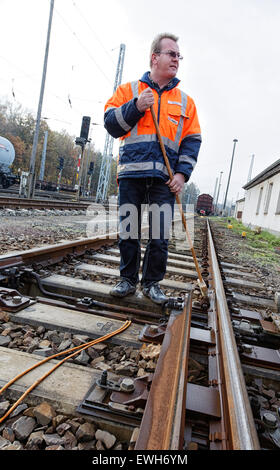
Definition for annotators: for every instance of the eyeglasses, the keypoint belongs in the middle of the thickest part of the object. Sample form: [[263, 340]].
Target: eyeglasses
[[173, 54]]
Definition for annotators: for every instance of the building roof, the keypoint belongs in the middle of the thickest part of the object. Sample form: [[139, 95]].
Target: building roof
[[264, 175]]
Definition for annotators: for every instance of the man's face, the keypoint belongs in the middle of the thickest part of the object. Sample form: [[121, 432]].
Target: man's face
[[166, 66]]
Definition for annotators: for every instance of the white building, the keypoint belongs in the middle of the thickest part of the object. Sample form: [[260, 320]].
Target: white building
[[262, 200], [239, 208]]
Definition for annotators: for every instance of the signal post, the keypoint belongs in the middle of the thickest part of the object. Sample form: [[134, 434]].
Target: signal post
[[81, 141], [60, 168]]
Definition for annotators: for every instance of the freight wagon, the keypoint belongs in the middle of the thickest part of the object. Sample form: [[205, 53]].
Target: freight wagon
[[204, 205], [7, 156]]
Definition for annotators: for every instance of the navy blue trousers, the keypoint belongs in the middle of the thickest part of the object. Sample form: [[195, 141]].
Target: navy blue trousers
[[134, 194]]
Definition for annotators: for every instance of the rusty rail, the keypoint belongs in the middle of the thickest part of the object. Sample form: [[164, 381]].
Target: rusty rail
[[241, 426], [17, 203], [162, 426], [54, 253]]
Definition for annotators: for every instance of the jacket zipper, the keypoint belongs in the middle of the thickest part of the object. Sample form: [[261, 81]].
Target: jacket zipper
[[159, 101]]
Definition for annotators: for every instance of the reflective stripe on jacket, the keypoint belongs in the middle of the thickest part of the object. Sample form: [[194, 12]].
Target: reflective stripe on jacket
[[140, 154]]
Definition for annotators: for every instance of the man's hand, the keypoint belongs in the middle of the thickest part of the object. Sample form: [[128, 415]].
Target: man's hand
[[145, 100], [177, 183]]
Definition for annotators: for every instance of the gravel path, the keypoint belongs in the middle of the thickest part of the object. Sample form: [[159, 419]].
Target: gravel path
[[24, 229]]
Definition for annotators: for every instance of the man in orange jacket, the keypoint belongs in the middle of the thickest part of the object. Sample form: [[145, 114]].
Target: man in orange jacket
[[142, 175]]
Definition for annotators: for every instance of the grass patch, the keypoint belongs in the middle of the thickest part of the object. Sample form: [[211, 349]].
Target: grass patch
[[262, 244]]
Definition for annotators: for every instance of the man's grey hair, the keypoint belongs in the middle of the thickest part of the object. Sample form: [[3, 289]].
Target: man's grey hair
[[156, 44]]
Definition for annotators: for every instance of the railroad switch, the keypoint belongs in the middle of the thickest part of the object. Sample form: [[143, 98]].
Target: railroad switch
[[244, 327], [174, 303], [12, 301], [87, 301], [255, 405], [117, 407], [268, 422], [127, 391], [217, 436], [269, 428], [246, 348], [13, 277], [138, 397], [125, 385], [214, 383], [120, 401], [203, 303], [235, 310], [153, 333]]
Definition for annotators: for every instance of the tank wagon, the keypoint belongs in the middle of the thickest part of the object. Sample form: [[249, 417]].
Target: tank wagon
[[7, 156]]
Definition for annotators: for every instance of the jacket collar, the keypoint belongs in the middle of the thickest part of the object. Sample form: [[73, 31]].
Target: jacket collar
[[146, 79]]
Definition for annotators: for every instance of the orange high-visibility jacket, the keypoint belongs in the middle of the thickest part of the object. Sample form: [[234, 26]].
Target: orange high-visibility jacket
[[140, 154]]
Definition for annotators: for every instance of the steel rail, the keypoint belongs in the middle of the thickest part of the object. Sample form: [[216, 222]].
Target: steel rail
[[59, 250], [162, 426], [242, 429], [13, 202]]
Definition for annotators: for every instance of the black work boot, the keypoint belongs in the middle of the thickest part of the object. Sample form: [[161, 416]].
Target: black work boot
[[122, 289], [155, 293]]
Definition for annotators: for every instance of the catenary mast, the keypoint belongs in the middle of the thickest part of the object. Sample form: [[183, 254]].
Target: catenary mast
[[105, 170]]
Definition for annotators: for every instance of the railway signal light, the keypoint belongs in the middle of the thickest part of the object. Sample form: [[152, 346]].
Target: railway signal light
[[85, 128], [60, 163], [83, 139], [91, 168]]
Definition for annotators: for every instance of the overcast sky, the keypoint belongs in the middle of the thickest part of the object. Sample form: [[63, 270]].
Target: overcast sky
[[231, 69]]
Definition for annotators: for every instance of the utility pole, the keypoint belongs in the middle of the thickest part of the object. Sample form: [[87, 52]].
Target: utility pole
[[215, 190], [219, 187], [105, 170], [31, 182], [225, 201], [250, 169]]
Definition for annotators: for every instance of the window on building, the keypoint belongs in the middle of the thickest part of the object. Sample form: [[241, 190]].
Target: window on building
[[267, 199], [259, 201], [278, 205]]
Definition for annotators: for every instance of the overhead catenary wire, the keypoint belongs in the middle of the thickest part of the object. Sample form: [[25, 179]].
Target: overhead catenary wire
[[84, 48], [68, 101], [77, 350], [64, 100], [30, 77], [93, 32]]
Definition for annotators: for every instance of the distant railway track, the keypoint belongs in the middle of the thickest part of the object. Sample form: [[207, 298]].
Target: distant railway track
[[43, 193], [22, 203], [222, 359]]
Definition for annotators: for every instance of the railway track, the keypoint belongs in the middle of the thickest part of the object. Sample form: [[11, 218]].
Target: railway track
[[221, 355], [18, 203], [44, 193]]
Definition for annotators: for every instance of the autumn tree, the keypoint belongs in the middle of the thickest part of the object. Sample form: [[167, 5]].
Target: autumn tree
[[18, 126]]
